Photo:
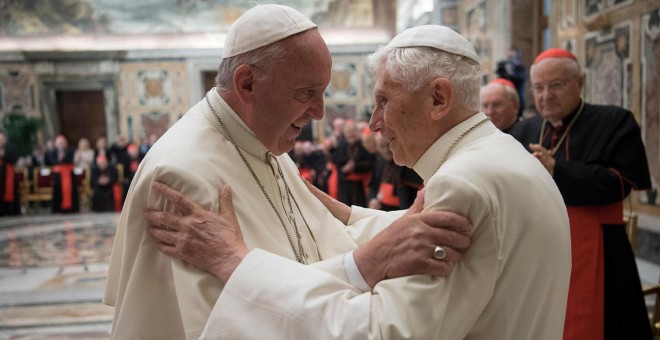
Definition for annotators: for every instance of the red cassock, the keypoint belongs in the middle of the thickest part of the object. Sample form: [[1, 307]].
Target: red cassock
[[601, 159]]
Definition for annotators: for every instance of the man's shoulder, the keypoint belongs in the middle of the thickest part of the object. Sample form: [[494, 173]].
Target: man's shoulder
[[527, 130], [605, 109], [606, 117]]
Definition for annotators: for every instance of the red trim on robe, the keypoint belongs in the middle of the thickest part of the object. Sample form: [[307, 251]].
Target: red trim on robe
[[9, 183], [134, 166], [386, 194], [585, 310], [364, 177], [623, 179], [117, 196], [67, 184], [306, 173], [333, 182]]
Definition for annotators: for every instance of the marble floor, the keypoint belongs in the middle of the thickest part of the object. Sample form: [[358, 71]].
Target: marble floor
[[52, 276], [53, 270]]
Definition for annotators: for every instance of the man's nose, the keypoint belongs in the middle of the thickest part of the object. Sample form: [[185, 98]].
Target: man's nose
[[375, 122], [317, 108]]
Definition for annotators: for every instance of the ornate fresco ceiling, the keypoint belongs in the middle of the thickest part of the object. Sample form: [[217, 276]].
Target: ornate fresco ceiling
[[106, 24]]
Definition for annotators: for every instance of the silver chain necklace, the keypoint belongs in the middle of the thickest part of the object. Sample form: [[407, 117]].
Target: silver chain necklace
[[451, 147], [300, 255]]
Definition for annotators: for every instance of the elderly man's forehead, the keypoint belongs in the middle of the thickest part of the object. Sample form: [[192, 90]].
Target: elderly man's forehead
[[493, 89], [555, 67]]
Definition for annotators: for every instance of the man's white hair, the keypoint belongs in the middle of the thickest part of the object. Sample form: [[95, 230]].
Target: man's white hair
[[265, 57], [510, 91], [413, 67]]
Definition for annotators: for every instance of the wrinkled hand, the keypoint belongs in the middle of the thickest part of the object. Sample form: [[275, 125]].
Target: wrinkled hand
[[338, 209], [544, 156], [209, 241], [406, 246]]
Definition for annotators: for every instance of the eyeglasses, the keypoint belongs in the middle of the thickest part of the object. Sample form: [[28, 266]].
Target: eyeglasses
[[554, 86]]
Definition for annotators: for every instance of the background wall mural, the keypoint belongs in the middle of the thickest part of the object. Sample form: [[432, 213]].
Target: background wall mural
[[76, 17]]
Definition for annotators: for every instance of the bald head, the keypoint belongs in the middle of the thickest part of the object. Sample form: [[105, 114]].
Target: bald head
[[500, 103]]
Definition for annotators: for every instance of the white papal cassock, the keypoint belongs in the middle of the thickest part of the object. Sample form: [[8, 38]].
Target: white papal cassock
[[518, 260]]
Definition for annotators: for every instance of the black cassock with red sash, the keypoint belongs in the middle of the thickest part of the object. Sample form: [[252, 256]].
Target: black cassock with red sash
[[600, 158]]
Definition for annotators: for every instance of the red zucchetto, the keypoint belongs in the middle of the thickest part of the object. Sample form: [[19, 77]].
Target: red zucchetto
[[554, 53], [504, 82]]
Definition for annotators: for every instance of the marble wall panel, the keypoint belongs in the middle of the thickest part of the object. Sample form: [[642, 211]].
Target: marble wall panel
[[568, 13], [17, 89], [152, 96], [477, 29], [345, 81], [650, 98], [349, 94], [608, 67]]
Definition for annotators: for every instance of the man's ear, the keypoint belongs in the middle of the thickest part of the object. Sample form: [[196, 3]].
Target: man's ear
[[442, 91], [243, 83], [581, 81]]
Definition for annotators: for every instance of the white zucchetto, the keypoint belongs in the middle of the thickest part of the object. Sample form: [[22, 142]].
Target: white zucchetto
[[436, 36], [263, 25]]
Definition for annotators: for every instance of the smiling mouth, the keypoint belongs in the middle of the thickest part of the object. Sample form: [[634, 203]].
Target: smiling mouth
[[297, 127]]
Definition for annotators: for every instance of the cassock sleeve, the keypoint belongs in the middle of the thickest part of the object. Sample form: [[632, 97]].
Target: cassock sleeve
[[154, 296], [365, 223], [614, 164], [271, 297]]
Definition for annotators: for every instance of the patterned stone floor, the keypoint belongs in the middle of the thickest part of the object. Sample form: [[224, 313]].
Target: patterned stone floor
[[53, 270], [52, 276]]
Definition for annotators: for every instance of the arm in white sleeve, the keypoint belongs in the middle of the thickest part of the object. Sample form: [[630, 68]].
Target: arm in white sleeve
[[269, 296], [365, 223], [369, 223], [355, 278]]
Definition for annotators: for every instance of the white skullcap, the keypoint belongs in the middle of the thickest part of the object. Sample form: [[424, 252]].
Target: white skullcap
[[439, 37], [263, 25]]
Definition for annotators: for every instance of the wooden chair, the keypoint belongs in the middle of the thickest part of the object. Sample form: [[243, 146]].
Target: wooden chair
[[83, 182], [630, 222], [21, 177], [41, 188], [120, 173], [655, 317]]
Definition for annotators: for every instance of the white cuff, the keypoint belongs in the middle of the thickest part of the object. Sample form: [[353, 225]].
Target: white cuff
[[353, 273]]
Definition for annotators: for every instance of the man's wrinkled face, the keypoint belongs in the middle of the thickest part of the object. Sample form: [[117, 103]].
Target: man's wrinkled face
[[556, 88], [401, 117], [498, 105], [383, 147], [290, 95]]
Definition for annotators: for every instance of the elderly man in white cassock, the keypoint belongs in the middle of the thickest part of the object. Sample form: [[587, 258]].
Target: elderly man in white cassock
[[271, 80], [511, 284]]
